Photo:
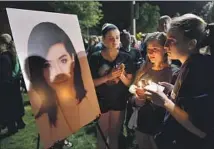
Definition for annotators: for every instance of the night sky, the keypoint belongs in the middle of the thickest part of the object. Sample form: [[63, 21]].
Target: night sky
[[117, 12], [171, 7], [122, 18]]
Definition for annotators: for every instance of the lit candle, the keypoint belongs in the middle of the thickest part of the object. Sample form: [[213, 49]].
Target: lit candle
[[140, 84], [154, 86], [149, 82]]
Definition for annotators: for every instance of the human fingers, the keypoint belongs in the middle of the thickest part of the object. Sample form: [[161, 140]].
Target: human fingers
[[140, 91], [165, 84], [149, 90], [148, 95], [115, 75]]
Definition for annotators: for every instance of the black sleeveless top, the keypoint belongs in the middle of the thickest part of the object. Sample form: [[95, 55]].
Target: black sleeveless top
[[111, 96]]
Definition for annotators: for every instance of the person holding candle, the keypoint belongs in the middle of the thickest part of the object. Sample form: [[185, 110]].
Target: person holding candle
[[156, 69], [112, 74], [188, 124]]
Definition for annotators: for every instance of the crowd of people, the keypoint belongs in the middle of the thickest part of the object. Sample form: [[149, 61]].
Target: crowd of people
[[176, 117]]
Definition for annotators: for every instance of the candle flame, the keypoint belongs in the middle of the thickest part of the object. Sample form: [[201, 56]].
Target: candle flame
[[140, 84], [149, 82]]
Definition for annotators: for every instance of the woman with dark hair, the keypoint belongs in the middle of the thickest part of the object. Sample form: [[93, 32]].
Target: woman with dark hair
[[156, 69], [189, 123], [53, 69], [112, 74]]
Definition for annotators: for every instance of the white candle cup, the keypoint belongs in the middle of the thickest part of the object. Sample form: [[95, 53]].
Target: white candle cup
[[132, 89], [154, 87]]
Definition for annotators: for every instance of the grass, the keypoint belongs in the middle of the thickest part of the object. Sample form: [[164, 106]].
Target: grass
[[26, 138]]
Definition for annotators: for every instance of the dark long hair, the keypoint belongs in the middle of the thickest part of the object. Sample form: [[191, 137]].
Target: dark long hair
[[41, 38]]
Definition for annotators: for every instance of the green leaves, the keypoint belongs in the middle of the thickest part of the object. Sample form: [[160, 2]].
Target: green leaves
[[88, 12], [207, 12], [148, 18]]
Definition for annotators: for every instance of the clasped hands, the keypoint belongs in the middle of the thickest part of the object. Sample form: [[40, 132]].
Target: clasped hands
[[116, 74]]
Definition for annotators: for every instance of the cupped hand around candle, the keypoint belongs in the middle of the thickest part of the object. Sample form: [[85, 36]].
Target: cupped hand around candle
[[157, 97], [115, 73], [140, 92], [168, 87]]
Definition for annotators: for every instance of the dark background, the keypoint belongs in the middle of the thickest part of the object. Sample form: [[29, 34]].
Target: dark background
[[116, 12]]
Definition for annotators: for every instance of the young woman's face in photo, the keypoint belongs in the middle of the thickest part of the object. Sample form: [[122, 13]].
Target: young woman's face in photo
[[176, 44], [112, 39], [59, 66], [155, 52]]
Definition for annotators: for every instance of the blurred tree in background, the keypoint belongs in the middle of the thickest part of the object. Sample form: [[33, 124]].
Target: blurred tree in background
[[88, 12], [207, 12], [148, 18]]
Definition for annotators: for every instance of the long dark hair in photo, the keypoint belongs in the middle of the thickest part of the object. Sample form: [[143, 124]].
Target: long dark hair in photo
[[42, 37]]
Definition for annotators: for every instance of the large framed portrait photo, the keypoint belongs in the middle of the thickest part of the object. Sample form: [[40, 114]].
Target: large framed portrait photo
[[56, 72]]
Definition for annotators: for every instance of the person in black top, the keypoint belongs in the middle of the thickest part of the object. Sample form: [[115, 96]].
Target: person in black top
[[6, 69], [112, 74], [135, 54], [10, 86], [189, 123]]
